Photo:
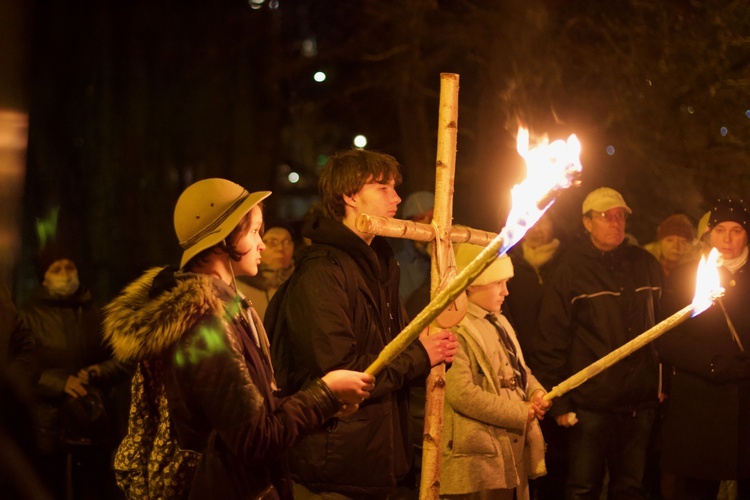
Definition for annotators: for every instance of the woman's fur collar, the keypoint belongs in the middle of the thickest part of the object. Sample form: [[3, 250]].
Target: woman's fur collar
[[137, 326]]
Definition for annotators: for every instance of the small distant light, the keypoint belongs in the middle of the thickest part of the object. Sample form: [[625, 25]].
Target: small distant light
[[319, 76], [690, 110], [293, 177], [649, 82], [255, 4], [610, 150], [360, 141], [747, 113], [724, 131], [273, 4]]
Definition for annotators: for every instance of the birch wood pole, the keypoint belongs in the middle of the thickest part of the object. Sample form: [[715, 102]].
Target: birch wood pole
[[417, 231], [442, 255], [623, 351]]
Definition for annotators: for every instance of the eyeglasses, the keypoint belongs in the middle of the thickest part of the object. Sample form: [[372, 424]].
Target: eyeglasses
[[620, 216], [275, 243]]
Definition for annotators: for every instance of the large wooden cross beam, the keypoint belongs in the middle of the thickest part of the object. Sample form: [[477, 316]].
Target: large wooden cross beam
[[442, 234], [551, 168]]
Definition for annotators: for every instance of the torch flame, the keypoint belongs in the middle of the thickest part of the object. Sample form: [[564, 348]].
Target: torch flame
[[707, 287], [549, 168]]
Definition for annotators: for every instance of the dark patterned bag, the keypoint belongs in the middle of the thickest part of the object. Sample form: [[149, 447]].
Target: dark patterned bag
[[149, 463]]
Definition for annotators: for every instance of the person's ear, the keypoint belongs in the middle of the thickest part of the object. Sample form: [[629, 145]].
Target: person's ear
[[350, 200], [587, 222]]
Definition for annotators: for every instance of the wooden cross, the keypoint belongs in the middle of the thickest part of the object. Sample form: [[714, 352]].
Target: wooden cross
[[442, 234]]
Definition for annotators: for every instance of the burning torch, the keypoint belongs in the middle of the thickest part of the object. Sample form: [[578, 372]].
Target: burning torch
[[550, 168]]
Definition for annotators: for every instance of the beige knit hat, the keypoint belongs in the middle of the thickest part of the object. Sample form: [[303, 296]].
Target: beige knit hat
[[500, 269], [208, 211]]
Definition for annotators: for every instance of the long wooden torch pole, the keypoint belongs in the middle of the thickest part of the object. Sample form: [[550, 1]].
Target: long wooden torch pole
[[624, 350], [442, 254]]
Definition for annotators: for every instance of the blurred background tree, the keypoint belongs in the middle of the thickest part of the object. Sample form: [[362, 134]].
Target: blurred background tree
[[131, 101]]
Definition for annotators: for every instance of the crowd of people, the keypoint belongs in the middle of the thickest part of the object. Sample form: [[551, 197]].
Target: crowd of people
[[244, 366]]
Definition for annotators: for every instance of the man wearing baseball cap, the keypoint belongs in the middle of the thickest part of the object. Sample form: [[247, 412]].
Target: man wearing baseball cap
[[603, 293]]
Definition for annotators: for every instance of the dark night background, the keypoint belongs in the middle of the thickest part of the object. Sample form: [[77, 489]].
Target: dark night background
[[130, 101]]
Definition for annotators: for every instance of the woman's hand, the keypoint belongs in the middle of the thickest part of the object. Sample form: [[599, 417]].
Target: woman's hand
[[74, 387], [350, 387]]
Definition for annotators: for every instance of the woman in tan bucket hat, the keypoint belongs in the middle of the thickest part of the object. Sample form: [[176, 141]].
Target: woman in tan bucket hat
[[204, 421]]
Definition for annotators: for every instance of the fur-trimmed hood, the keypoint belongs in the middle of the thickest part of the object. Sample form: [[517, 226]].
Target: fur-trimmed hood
[[140, 323]]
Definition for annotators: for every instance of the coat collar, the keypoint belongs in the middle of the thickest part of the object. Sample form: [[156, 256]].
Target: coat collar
[[138, 326]]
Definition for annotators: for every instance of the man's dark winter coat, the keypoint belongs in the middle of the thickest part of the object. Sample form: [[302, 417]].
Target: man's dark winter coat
[[340, 310], [595, 302], [522, 305]]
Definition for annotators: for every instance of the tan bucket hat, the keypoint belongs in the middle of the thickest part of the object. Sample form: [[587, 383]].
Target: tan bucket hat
[[208, 211]]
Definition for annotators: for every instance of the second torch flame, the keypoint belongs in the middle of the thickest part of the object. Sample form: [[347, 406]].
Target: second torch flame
[[707, 285]]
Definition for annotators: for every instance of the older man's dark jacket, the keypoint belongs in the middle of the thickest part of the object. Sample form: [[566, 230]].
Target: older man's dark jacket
[[595, 302], [340, 309]]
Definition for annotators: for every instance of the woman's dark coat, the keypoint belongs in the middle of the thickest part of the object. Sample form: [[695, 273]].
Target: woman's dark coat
[[68, 337], [706, 429], [196, 348]]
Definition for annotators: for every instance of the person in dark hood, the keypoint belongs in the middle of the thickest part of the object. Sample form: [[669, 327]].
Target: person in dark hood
[[205, 421], [339, 310], [65, 324]]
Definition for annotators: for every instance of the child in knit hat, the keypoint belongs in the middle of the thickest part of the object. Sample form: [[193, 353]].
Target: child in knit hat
[[492, 443]]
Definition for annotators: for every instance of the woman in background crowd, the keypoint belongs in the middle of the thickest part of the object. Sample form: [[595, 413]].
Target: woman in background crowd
[[276, 265], [706, 429]]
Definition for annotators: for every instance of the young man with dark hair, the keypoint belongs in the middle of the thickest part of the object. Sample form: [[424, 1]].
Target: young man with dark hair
[[339, 310]]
